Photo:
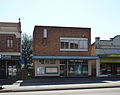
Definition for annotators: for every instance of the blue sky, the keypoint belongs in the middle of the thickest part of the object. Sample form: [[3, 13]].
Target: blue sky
[[102, 16]]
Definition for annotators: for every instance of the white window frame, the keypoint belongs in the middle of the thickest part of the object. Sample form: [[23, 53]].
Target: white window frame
[[9, 43], [45, 33], [75, 39]]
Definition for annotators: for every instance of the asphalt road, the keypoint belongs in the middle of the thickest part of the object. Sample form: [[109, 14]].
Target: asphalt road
[[102, 91]]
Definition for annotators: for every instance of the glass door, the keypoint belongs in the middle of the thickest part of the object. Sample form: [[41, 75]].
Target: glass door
[[2, 70], [63, 70]]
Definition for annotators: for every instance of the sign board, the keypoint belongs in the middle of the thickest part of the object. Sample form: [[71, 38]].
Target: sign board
[[40, 70], [51, 70], [6, 57]]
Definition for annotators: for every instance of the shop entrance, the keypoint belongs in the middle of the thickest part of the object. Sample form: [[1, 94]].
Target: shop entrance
[[62, 71], [2, 70], [63, 68]]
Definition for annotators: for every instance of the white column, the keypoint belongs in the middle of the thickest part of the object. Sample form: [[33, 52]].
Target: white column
[[67, 68], [97, 67], [58, 64], [89, 69]]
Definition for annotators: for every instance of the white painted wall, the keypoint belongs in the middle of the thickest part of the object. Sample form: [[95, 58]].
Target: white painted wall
[[97, 68], [89, 69]]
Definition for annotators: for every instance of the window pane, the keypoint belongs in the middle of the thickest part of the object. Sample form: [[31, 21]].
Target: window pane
[[85, 69], [64, 45], [85, 44], [52, 61], [71, 45], [9, 43], [74, 44], [46, 61], [81, 44], [41, 61]]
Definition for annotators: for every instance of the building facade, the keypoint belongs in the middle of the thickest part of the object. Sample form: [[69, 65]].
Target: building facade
[[62, 51], [109, 54], [10, 49]]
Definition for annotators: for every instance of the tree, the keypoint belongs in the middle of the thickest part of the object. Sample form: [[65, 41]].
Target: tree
[[26, 49]]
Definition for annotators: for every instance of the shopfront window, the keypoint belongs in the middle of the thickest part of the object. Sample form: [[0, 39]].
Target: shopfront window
[[110, 68], [85, 69], [103, 68], [12, 70], [77, 68], [71, 70], [118, 69], [47, 61]]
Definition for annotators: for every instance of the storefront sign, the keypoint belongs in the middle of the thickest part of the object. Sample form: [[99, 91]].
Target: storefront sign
[[51, 70], [114, 55], [6, 57], [76, 60], [40, 70], [109, 60]]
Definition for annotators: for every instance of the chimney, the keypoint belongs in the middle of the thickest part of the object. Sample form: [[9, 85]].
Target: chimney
[[97, 38]]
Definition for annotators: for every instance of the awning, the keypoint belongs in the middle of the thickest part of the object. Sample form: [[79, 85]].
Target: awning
[[66, 57]]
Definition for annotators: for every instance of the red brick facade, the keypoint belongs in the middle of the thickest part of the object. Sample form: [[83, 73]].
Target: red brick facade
[[51, 44], [10, 49], [3, 42]]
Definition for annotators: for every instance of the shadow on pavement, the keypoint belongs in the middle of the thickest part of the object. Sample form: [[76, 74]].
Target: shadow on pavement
[[7, 81], [64, 81]]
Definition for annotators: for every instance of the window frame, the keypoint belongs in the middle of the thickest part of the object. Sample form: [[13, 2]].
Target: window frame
[[85, 45], [10, 42]]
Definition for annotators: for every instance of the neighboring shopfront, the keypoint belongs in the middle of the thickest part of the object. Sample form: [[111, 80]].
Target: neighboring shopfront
[[9, 68], [109, 54], [10, 49], [110, 66]]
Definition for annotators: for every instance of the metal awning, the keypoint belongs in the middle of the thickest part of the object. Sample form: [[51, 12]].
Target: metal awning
[[66, 57]]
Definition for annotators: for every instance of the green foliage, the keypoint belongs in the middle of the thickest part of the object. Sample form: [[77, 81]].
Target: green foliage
[[26, 49]]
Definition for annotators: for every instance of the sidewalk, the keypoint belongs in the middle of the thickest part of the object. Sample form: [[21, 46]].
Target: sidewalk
[[42, 84], [6, 82]]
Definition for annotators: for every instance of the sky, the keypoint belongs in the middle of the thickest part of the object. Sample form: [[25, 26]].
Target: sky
[[102, 16]]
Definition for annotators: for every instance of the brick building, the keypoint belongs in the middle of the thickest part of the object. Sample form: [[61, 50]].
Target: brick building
[[10, 49], [109, 54], [62, 51]]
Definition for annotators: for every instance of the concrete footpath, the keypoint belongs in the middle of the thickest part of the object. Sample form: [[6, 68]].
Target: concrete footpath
[[45, 84]]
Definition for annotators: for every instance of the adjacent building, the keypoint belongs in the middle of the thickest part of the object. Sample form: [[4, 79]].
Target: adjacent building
[[109, 54], [62, 51], [10, 49]]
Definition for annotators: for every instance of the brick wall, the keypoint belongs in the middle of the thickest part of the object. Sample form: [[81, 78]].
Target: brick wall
[[12, 31], [3, 43], [51, 45]]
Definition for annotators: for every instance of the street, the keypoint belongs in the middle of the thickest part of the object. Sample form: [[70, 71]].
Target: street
[[103, 91]]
